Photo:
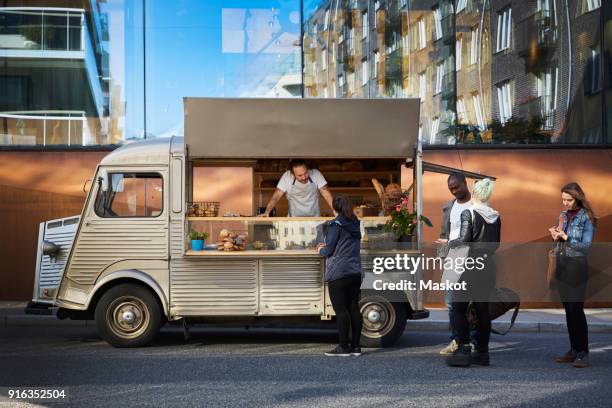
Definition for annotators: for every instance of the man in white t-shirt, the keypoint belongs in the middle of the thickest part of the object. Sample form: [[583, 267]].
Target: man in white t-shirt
[[451, 226], [302, 187]]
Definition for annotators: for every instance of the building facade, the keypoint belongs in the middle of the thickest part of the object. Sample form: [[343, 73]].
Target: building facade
[[494, 71]]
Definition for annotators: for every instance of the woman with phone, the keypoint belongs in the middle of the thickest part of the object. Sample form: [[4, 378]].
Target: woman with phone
[[574, 236]]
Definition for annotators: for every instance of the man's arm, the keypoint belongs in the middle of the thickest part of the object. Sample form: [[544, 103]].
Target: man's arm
[[327, 196], [273, 201]]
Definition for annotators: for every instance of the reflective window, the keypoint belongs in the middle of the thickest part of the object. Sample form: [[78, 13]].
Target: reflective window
[[71, 76], [130, 195], [485, 71]]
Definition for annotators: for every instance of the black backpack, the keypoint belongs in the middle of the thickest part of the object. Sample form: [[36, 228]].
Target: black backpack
[[502, 300]]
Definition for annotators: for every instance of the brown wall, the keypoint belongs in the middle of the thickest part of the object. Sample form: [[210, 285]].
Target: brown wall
[[37, 186], [528, 198], [34, 187]]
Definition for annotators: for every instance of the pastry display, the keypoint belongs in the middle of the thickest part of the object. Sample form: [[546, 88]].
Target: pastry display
[[231, 241]]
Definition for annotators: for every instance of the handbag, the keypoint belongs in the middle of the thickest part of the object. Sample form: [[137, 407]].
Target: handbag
[[551, 273], [502, 300]]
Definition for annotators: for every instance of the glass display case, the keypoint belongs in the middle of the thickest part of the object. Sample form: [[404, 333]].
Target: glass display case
[[277, 235]]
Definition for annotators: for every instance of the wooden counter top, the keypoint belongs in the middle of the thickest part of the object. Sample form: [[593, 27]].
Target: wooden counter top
[[290, 253], [255, 253], [272, 219]]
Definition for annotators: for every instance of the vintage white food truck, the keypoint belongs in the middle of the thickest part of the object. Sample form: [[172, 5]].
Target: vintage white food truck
[[127, 260]]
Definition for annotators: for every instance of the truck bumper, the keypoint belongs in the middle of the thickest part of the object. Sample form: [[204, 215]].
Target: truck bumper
[[419, 314]]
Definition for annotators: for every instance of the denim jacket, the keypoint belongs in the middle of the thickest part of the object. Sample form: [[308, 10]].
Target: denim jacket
[[579, 234]]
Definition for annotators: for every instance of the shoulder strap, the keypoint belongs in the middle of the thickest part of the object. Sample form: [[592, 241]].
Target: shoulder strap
[[512, 320]]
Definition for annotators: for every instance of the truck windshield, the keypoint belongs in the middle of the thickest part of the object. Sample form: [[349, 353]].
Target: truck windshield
[[130, 195]]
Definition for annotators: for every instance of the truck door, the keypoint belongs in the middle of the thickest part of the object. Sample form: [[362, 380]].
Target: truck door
[[126, 219]]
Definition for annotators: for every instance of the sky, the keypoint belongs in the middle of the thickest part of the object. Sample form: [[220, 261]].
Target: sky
[[216, 48]]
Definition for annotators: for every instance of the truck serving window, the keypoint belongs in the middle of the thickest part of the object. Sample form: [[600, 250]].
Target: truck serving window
[[130, 195]]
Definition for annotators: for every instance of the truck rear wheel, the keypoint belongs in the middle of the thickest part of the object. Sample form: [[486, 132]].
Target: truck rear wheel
[[383, 321], [128, 315]]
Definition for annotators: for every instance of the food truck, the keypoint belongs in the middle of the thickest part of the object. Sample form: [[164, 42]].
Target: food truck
[[128, 260]]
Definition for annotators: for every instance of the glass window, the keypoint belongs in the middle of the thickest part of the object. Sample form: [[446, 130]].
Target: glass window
[[477, 104], [422, 34], [504, 29], [594, 74], [590, 5], [435, 125], [438, 22], [376, 62], [546, 84], [364, 25], [324, 59], [350, 79], [474, 46], [439, 78], [461, 5], [212, 48], [461, 112], [422, 86], [458, 53], [91, 91], [505, 101], [364, 72], [130, 195]]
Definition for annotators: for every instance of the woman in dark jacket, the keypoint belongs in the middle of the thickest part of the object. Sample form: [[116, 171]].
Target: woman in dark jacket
[[574, 236], [481, 230], [343, 275]]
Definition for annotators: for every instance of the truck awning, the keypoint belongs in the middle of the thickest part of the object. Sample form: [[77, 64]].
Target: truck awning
[[230, 128]]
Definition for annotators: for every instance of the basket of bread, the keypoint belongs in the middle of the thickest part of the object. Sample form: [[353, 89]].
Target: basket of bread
[[231, 241], [203, 209], [389, 196]]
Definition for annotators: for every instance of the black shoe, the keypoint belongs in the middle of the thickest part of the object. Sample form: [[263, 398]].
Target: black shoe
[[480, 358], [582, 360], [356, 351], [568, 357], [460, 357], [339, 351]]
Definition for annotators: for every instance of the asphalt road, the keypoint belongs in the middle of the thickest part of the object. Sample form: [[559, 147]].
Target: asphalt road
[[235, 367]]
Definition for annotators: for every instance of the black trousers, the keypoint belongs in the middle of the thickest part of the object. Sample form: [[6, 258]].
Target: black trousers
[[572, 275], [344, 296], [479, 286]]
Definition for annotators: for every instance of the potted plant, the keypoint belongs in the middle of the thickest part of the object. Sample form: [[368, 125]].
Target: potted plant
[[403, 221], [197, 240]]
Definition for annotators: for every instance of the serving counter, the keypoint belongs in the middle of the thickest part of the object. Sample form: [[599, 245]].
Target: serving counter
[[280, 236]]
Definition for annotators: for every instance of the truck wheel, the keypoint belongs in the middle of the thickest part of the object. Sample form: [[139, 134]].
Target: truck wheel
[[383, 321], [128, 315]]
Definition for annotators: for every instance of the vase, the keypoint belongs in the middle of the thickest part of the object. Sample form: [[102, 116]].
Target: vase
[[197, 244], [404, 242]]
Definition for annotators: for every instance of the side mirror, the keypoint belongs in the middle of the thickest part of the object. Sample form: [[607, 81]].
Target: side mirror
[[49, 248], [85, 188], [103, 179]]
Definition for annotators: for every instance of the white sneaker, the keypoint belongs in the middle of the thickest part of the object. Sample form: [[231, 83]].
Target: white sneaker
[[450, 349]]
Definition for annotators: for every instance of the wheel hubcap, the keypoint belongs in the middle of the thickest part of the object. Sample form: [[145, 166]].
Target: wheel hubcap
[[378, 318], [374, 316], [128, 317]]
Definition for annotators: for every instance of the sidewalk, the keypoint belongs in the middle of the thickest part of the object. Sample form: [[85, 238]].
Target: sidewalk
[[528, 320]]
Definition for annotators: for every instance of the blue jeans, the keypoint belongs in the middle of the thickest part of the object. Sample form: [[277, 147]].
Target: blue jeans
[[448, 300]]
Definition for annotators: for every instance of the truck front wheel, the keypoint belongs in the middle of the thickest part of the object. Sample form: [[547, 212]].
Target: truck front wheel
[[383, 321], [128, 315]]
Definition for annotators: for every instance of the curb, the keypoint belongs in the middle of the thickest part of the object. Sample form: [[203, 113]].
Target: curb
[[527, 327], [412, 325], [41, 321]]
